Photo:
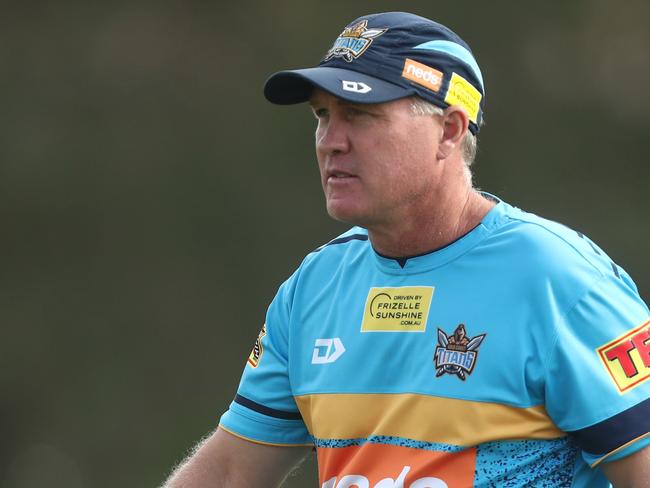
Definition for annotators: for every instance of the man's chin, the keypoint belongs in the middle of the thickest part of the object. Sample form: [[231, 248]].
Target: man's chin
[[347, 215]]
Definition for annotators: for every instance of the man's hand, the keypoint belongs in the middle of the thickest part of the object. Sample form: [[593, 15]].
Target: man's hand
[[226, 461]]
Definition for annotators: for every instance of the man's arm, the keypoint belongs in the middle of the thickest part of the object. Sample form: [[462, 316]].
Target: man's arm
[[630, 472], [226, 461]]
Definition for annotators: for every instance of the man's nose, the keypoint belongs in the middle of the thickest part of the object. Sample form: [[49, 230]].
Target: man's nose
[[333, 137]]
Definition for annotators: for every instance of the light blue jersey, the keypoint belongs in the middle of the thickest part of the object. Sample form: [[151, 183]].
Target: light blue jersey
[[518, 355]]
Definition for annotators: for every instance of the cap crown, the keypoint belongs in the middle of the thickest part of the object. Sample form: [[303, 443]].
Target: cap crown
[[382, 57], [415, 53]]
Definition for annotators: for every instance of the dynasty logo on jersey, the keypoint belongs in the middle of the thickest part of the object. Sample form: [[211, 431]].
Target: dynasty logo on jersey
[[456, 353], [400, 309], [627, 358], [258, 349], [353, 41], [327, 350]]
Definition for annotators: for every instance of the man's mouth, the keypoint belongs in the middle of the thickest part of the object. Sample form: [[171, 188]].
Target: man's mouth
[[339, 175]]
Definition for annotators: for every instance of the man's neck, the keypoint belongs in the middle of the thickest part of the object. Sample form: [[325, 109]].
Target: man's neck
[[441, 226]]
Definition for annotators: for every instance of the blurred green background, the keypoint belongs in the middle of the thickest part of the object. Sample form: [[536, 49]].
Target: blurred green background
[[152, 201]]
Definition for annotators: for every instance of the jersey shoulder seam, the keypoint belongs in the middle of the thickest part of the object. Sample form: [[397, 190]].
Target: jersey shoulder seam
[[561, 238]]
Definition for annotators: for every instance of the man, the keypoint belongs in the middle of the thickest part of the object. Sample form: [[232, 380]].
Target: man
[[448, 339]]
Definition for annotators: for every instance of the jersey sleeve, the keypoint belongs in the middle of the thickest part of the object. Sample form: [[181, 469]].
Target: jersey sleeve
[[598, 372], [264, 409]]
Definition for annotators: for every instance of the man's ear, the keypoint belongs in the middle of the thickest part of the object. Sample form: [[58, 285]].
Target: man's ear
[[455, 124]]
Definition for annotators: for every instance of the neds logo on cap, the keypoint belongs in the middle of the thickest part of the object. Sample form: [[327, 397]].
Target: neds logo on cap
[[422, 74]]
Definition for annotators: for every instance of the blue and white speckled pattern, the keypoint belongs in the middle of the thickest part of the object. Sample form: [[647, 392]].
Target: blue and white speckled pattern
[[394, 441], [531, 463]]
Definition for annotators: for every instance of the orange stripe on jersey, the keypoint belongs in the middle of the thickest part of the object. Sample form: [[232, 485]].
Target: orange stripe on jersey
[[422, 418], [372, 465]]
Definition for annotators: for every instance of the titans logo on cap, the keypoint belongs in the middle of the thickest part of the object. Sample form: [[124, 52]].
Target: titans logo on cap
[[353, 42]]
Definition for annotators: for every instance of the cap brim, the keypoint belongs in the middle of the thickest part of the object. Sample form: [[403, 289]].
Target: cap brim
[[296, 86]]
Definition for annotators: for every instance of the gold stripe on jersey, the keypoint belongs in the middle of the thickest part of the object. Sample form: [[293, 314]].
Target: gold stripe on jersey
[[422, 417], [617, 450], [263, 443]]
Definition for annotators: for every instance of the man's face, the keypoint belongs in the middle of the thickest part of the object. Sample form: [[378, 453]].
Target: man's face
[[377, 162]]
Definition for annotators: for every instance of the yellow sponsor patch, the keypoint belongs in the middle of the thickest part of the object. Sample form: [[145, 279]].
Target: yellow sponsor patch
[[627, 358], [461, 92], [401, 309], [422, 75]]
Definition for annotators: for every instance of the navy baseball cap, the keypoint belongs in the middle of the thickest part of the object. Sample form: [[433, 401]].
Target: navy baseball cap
[[386, 56]]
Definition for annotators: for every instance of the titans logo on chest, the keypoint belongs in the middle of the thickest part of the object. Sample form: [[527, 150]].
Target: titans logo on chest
[[456, 353]]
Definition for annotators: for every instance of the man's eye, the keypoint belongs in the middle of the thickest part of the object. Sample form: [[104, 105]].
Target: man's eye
[[319, 113]]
